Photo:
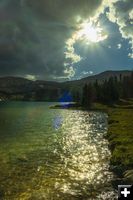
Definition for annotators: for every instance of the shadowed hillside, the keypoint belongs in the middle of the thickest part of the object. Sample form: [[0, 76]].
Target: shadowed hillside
[[16, 88]]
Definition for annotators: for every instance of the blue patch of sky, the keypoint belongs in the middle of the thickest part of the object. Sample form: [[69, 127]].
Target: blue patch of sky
[[104, 55]]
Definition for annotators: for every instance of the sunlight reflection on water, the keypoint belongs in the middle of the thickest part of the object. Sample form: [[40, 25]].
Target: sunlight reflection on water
[[57, 155], [85, 152]]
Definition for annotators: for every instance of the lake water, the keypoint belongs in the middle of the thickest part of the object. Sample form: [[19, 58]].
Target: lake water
[[53, 154]]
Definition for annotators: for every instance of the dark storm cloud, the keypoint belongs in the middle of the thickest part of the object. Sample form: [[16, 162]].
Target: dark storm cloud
[[33, 34], [63, 10]]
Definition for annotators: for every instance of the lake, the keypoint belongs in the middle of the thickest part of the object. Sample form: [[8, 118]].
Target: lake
[[53, 154]]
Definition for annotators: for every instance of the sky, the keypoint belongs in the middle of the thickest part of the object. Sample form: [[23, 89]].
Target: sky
[[63, 40]]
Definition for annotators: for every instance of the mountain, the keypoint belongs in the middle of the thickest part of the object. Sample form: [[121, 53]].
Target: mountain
[[107, 74], [17, 88], [102, 76], [14, 84]]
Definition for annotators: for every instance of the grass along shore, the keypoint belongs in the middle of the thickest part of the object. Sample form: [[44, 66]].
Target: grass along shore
[[120, 137]]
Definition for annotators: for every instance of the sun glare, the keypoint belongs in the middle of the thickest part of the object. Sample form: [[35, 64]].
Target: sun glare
[[91, 33]]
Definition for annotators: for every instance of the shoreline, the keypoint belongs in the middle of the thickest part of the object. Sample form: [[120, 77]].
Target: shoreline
[[119, 135]]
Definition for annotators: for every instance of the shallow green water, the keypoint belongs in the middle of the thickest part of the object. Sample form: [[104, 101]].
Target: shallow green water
[[53, 154]]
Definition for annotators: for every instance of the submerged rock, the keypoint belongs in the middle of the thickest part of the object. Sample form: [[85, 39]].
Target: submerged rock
[[113, 121]]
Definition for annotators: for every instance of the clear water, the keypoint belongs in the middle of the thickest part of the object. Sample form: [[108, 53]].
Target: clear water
[[53, 154]]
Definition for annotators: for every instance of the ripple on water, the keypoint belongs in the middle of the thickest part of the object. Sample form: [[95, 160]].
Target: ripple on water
[[69, 160]]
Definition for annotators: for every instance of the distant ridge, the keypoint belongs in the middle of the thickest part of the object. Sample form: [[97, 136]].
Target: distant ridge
[[110, 73], [21, 86], [100, 76]]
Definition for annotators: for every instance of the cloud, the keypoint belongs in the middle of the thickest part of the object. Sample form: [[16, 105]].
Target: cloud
[[84, 74], [130, 55], [34, 34], [65, 11], [37, 37], [30, 77], [90, 32], [69, 72], [119, 46], [121, 13], [87, 72], [70, 55]]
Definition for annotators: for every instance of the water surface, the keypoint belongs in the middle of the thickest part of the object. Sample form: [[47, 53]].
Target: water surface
[[53, 154]]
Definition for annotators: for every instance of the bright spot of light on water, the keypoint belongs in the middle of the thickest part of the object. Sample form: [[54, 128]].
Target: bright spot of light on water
[[57, 122], [85, 151]]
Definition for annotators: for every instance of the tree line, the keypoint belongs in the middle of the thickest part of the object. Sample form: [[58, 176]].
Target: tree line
[[108, 92]]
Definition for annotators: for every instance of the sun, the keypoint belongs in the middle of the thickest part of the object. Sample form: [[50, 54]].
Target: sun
[[91, 33]]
